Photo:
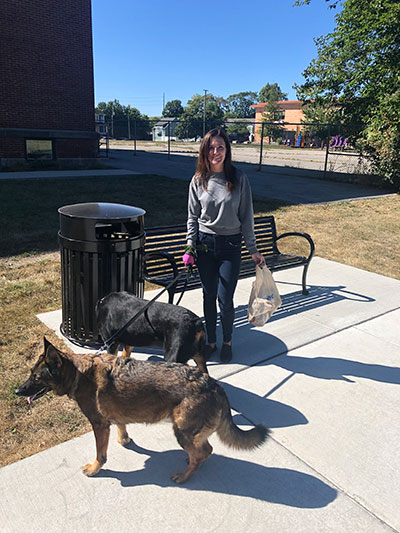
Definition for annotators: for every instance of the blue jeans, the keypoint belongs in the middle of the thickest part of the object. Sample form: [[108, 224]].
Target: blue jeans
[[218, 261]]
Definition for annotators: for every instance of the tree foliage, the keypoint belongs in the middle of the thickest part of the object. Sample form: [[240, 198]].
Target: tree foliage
[[272, 113], [356, 76], [331, 3], [173, 109], [239, 105], [124, 121], [381, 138], [271, 93], [191, 121]]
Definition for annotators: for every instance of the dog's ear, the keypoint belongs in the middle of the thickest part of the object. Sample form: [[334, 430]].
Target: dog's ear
[[82, 362], [46, 344], [53, 357]]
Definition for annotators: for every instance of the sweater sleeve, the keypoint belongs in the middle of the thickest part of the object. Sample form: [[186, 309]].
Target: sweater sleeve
[[194, 210], [246, 215]]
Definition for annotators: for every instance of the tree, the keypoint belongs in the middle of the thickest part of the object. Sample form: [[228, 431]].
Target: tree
[[271, 114], [328, 116], [124, 121], [357, 71], [239, 105], [271, 93], [191, 122], [381, 138], [173, 109], [331, 3]]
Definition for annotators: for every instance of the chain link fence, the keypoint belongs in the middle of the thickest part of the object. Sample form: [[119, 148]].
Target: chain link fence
[[335, 141]]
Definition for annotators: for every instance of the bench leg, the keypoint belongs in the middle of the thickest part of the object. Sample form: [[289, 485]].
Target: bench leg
[[171, 293], [305, 290]]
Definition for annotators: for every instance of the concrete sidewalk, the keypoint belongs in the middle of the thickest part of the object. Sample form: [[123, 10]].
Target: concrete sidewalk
[[323, 373]]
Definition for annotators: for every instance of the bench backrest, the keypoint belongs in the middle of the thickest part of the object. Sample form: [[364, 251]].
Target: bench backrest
[[172, 239]]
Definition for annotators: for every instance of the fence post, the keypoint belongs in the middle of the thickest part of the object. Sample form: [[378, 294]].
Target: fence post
[[169, 139], [261, 147], [134, 137], [327, 149]]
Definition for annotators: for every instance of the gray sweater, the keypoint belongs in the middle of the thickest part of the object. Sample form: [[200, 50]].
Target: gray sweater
[[220, 212]]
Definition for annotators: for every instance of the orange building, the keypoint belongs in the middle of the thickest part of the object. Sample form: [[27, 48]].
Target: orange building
[[292, 113]]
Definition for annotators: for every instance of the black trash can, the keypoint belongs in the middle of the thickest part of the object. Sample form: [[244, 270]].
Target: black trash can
[[102, 251]]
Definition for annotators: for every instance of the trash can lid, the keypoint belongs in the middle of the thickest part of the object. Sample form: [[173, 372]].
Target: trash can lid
[[101, 211]]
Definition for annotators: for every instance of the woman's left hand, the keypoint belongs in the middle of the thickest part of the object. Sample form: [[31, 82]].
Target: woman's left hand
[[258, 259]]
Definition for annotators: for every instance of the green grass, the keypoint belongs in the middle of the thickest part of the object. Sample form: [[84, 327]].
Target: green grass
[[29, 208]]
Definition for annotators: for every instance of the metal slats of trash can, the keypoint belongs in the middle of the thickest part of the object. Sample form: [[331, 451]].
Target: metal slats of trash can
[[102, 250]]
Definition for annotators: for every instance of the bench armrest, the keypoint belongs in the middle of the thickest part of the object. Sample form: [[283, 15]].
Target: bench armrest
[[148, 256], [305, 236]]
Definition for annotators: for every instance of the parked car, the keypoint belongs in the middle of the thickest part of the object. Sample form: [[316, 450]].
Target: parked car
[[238, 137]]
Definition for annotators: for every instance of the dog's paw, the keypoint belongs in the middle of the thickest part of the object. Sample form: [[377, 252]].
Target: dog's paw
[[91, 469], [124, 441], [179, 477]]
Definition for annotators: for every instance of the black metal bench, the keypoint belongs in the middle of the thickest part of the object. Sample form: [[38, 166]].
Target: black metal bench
[[165, 245]]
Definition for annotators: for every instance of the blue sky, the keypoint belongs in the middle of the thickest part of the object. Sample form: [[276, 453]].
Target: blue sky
[[176, 48]]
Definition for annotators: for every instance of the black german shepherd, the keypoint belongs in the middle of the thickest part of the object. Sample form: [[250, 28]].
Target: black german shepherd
[[177, 330], [116, 390]]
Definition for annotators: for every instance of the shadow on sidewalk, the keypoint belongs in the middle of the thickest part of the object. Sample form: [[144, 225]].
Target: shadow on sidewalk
[[225, 475], [295, 302]]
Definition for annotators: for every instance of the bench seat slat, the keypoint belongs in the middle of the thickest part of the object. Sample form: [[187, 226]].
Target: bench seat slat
[[172, 240]]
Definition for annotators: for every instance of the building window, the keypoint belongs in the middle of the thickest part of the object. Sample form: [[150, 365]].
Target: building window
[[39, 149]]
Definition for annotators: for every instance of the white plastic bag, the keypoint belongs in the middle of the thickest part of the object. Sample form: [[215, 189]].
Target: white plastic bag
[[264, 297]]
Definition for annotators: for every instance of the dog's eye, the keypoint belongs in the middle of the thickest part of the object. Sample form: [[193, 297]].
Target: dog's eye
[[46, 373]]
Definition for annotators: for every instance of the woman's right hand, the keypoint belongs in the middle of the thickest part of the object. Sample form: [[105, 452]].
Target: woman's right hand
[[188, 259]]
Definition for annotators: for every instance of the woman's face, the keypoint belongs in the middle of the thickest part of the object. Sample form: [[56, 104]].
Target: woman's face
[[216, 154]]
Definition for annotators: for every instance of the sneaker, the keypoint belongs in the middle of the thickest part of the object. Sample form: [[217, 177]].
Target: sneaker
[[226, 353], [209, 350]]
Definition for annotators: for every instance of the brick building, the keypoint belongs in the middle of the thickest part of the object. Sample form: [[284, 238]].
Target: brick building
[[292, 112], [46, 84]]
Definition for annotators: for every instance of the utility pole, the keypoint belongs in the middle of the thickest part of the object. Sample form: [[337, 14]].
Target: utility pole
[[204, 112], [163, 101]]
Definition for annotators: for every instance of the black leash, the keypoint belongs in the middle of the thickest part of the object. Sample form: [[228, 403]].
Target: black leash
[[117, 334]]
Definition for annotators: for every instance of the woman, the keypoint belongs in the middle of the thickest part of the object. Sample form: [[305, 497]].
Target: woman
[[220, 213]]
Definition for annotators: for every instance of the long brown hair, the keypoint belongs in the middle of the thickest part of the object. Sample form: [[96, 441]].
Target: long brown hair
[[203, 169]]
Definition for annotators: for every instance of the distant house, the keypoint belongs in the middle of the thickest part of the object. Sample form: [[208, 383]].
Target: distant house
[[165, 128], [292, 112], [100, 121]]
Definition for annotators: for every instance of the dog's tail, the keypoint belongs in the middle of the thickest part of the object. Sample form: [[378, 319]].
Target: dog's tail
[[234, 437]]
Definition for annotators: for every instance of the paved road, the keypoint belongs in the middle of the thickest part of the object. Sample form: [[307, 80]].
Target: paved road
[[295, 158], [294, 185]]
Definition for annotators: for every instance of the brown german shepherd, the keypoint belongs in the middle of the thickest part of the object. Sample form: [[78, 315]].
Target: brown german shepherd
[[116, 390]]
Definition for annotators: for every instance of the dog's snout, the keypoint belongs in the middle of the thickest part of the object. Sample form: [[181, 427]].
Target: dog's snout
[[20, 391]]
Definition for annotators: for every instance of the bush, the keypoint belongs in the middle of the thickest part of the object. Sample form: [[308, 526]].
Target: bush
[[381, 139]]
